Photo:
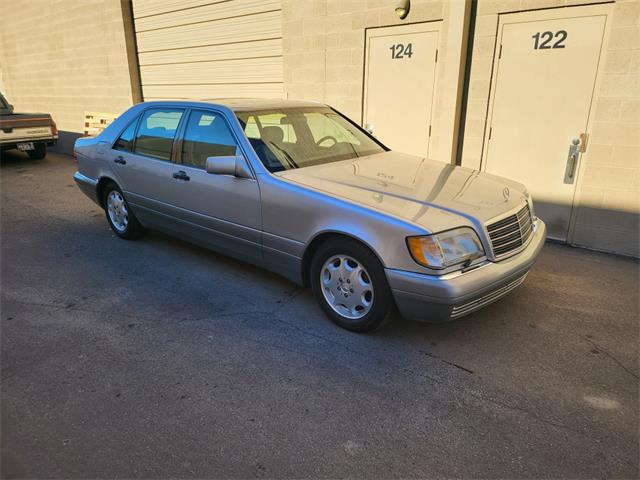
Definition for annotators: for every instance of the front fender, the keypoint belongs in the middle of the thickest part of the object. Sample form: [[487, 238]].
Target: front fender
[[293, 216]]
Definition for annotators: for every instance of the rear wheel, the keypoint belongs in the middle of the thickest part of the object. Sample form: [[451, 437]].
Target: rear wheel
[[349, 283], [39, 152], [120, 217]]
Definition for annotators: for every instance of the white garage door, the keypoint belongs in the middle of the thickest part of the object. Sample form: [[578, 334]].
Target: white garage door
[[400, 77], [546, 72], [199, 49]]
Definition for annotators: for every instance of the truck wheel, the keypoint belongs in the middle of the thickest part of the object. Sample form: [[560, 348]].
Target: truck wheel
[[119, 216], [350, 285], [39, 153]]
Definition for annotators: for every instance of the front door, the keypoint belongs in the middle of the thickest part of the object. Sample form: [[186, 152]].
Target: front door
[[220, 210], [399, 85], [546, 72]]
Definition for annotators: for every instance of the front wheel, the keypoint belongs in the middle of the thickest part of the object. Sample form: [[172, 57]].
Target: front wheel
[[350, 285]]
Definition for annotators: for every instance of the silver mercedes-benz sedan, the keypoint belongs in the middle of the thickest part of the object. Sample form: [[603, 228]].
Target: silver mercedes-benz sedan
[[302, 190]]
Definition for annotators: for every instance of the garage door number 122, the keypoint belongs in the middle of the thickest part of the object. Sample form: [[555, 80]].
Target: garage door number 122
[[546, 37]]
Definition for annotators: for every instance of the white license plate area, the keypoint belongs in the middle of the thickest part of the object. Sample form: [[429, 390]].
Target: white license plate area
[[23, 147]]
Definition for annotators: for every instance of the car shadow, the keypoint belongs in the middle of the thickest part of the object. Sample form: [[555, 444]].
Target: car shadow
[[11, 158]]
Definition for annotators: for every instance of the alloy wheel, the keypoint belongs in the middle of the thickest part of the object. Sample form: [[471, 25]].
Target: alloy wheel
[[347, 286], [117, 209]]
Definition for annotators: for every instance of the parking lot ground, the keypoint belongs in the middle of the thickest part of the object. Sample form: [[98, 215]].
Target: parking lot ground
[[156, 358]]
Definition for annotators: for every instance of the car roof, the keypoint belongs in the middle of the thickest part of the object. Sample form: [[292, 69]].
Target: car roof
[[240, 104], [244, 104]]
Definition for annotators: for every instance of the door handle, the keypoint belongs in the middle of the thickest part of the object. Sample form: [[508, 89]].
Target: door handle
[[120, 160], [181, 175], [572, 160]]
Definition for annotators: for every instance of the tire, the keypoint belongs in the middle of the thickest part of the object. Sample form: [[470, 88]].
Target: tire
[[39, 153], [119, 216], [359, 299]]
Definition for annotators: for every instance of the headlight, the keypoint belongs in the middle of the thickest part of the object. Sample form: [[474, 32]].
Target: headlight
[[441, 250]]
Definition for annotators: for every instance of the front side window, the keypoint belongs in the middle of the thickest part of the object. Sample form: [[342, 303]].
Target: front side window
[[4, 105], [207, 135], [156, 132], [299, 137], [125, 140]]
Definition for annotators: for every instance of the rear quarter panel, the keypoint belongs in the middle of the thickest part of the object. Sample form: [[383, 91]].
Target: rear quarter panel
[[92, 153]]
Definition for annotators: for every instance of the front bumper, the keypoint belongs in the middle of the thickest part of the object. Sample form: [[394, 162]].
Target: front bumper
[[435, 298]]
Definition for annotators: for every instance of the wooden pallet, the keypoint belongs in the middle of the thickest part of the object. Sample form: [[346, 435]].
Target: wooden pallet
[[96, 122]]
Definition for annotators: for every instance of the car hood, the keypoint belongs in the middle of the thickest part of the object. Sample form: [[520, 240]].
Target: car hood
[[429, 193]]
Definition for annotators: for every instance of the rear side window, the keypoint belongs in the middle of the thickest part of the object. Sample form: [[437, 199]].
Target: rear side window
[[207, 135], [126, 139], [156, 132]]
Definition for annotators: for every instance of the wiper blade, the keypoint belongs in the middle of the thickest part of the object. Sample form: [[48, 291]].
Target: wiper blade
[[286, 154]]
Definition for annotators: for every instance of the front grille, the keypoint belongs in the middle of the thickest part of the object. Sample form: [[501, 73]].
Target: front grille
[[466, 308], [511, 233]]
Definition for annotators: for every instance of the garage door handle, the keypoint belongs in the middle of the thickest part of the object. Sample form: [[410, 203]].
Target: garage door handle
[[120, 160], [572, 161], [181, 175]]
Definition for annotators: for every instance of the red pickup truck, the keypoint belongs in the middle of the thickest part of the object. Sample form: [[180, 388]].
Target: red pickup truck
[[28, 132]]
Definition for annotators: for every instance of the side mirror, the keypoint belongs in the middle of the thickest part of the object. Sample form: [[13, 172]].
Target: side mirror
[[235, 165], [10, 108], [369, 128]]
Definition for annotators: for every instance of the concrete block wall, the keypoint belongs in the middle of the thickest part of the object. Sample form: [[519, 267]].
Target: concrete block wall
[[608, 214], [324, 48], [607, 203], [65, 57], [2, 86]]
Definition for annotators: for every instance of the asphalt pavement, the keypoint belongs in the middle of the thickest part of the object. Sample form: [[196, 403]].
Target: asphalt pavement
[[156, 359]]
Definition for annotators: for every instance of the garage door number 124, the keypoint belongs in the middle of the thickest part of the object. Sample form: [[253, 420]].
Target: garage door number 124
[[400, 50]]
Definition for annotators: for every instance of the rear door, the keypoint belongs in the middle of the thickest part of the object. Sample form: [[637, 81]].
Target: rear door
[[142, 158]]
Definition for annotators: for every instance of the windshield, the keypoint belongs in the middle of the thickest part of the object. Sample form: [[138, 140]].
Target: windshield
[[303, 136], [4, 105]]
